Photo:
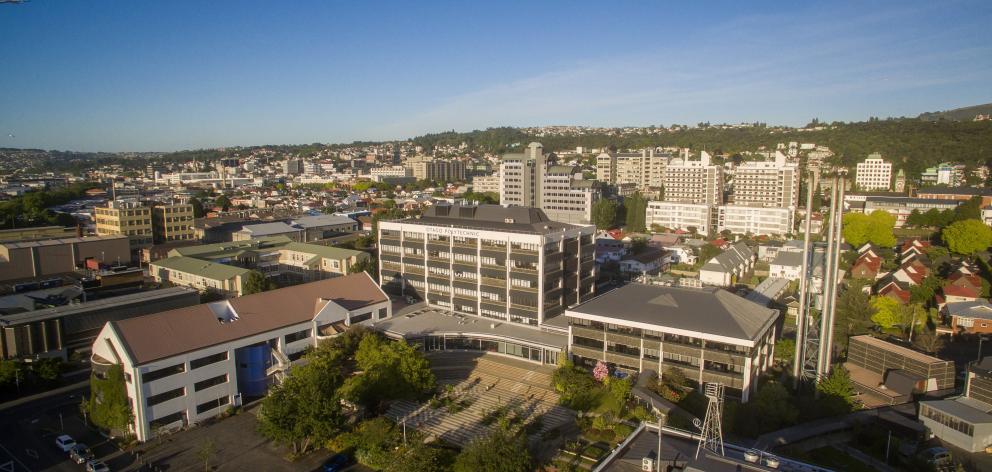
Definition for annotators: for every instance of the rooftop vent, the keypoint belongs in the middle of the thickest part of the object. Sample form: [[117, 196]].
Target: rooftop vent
[[223, 311], [509, 220]]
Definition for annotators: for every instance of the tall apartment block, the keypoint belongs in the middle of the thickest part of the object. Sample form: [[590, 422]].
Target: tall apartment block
[[645, 169], [767, 183], [428, 168], [688, 181], [506, 263], [172, 223], [533, 179], [126, 217], [873, 174]]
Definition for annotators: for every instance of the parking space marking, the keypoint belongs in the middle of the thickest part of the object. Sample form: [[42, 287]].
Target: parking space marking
[[10, 463]]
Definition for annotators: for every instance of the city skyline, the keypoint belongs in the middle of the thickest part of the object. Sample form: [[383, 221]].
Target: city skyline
[[98, 78]]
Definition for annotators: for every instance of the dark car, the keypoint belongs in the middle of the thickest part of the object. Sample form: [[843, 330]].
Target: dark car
[[80, 453], [337, 463]]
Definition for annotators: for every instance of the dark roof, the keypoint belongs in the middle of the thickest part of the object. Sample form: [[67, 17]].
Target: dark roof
[[708, 310], [490, 217], [983, 191], [170, 333]]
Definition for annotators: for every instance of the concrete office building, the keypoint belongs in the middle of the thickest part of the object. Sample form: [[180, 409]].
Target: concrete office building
[[533, 179], [902, 207], [187, 365], [684, 216], [22, 260], [709, 334], [767, 183], [53, 332], [698, 182], [755, 220], [644, 170], [429, 168], [505, 263], [224, 267], [965, 421], [125, 217], [873, 173], [486, 183], [172, 223]]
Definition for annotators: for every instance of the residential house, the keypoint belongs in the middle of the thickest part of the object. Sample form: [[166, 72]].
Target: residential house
[[968, 317], [728, 267], [786, 265], [649, 260]]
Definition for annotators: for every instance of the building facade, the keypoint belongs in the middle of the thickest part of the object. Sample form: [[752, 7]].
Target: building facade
[[644, 170], [755, 220], [873, 173], [125, 217], [683, 216], [698, 182], [767, 183], [708, 334], [533, 179], [172, 223], [505, 263], [190, 364]]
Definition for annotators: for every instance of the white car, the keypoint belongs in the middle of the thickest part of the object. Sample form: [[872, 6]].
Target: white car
[[65, 442], [771, 462], [752, 455], [97, 466]]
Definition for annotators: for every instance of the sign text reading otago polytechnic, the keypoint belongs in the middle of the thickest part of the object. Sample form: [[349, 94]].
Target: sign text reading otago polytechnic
[[468, 233]]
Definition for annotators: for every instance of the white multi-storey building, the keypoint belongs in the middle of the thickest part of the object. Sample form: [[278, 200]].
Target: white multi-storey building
[[187, 365], [645, 169], [767, 183], [486, 183], [874, 173], [684, 216], [532, 179], [688, 181], [755, 220]]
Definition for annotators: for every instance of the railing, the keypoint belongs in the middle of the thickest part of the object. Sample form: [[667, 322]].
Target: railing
[[584, 351], [591, 333]]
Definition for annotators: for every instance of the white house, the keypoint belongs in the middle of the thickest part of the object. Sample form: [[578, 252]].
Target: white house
[[728, 267], [186, 365], [786, 265]]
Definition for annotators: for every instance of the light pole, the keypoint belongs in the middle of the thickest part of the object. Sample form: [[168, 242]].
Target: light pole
[[980, 339]]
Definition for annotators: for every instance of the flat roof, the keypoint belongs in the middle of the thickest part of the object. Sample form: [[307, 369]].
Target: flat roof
[[314, 221], [263, 229], [517, 219], [58, 241], [150, 296], [904, 351], [960, 410], [708, 310], [421, 320], [170, 333], [203, 268]]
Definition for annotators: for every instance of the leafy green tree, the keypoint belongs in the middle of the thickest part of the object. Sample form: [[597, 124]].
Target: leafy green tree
[[500, 451], [223, 202], [576, 388], [389, 370], [304, 410], [785, 350], [969, 210], [108, 405], [924, 292], [837, 392], [772, 407], [967, 237], [256, 282], [874, 228], [887, 313], [198, 211], [637, 207], [367, 264], [206, 453], [604, 213]]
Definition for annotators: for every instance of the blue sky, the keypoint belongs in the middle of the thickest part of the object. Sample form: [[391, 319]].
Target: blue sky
[[125, 75]]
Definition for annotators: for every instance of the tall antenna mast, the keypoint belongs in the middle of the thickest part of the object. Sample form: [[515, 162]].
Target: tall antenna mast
[[711, 436]]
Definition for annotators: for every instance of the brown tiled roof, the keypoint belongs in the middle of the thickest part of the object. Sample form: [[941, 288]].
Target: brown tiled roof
[[170, 333]]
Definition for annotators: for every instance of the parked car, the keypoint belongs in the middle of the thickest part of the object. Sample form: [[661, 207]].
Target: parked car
[[65, 442], [752, 455], [337, 463], [80, 453], [97, 466], [937, 456], [771, 462]]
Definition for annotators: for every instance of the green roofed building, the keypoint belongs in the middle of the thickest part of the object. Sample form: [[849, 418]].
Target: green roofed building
[[224, 267]]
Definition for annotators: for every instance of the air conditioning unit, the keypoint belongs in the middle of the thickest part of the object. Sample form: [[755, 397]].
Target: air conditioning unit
[[647, 464]]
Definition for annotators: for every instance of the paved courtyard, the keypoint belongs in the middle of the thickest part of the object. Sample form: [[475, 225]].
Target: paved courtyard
[[485, 383]]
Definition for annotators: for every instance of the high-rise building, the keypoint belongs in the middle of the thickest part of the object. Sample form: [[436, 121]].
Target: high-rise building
[[486, 183], [127, 217], [507, 263], [172, 223], [533, 179], [688, 181], [292, 167], [428, 168], [644, 169], [873, 174], [767, 183], [696, 217]]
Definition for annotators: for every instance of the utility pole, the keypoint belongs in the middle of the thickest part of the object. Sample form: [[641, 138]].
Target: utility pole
[[661, 424], [797, 365]]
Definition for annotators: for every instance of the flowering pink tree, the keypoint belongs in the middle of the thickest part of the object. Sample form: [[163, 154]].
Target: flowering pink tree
[[601, 371]]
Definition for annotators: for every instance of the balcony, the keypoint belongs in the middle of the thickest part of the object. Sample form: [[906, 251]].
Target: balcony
[[683, 349], [623, 358], [413, 269], [729, 379], [724, 356], [587, 352], [623, 338], [472, 243], [491, 282], [585, 332]]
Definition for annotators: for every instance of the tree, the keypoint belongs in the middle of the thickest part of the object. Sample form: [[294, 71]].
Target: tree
[[198, 211], [875, 228], [604, 213], [389, 370], [499, 451], [366, 264], [854, 310], [206, 452], [223, 202], [887, 313], [601, 371], [576, 388], [108, 405], [304, 410], [837, 392], [772, 407], [967, 237], [924, 292], [256, 282], [637, 207], [11, 372], [785, 350]]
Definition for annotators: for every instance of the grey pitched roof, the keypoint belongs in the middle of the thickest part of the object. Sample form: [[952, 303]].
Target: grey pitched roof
[[264, 229], [728, 260], [322, 220], [788, 259], [974, 309], [708, 310]]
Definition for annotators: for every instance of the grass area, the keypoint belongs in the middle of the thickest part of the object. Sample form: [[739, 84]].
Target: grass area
[[923, 233]]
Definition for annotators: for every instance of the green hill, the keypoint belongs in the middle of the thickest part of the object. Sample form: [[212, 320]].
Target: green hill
[[958, 114]]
